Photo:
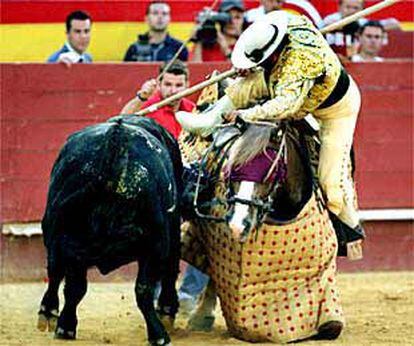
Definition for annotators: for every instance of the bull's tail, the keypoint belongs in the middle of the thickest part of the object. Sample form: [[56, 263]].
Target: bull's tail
[[111, 150]]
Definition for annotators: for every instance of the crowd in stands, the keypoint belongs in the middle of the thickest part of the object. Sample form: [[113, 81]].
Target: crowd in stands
[[215, 32]]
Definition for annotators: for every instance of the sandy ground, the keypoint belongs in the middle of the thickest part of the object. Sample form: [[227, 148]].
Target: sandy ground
[[379, 308]]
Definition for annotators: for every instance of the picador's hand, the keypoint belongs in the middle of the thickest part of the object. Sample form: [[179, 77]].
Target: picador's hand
[[231, 117], [244, 72]]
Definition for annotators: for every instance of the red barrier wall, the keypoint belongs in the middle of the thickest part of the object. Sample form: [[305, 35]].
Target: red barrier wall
[[42, 104], [388, 247], [400, 45]]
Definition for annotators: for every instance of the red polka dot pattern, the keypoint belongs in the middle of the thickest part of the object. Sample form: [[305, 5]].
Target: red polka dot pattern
[[279, 285]]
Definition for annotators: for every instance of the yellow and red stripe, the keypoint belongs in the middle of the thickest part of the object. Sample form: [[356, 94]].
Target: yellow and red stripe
[[32, 30]]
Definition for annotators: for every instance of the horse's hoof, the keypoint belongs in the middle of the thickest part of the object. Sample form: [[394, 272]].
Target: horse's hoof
[[329, 330], [60, 333], [168, 322], [160, 342], [198, 323]]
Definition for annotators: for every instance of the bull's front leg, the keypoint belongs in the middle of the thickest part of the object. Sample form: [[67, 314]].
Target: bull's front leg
[[74, 290], [144, 292]]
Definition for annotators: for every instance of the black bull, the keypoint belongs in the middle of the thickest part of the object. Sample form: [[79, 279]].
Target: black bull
[[114, 198]]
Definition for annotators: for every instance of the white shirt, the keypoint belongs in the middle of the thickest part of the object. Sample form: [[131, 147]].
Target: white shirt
[[72, 56], [359, 58]]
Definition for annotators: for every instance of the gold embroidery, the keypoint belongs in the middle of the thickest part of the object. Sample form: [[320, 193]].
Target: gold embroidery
[[304, 76]]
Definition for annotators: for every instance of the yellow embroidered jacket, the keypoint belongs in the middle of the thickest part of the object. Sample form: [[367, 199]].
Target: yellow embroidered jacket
[[305, 74]]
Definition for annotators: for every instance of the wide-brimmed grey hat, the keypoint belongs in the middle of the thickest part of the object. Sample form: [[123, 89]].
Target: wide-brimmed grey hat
[[260, 40]]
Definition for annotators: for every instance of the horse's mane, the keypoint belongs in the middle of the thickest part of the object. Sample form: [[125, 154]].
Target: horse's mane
[[254, 141]]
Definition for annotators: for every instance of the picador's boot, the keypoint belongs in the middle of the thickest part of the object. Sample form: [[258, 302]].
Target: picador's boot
[[329, 331], [345, 234]]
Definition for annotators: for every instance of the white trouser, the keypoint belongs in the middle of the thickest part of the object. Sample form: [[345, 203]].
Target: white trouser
[[337, 131]]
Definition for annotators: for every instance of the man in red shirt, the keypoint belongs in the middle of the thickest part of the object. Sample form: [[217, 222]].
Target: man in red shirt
[[174, 80]]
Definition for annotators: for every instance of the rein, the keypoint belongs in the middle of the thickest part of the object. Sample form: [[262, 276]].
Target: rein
[[263, 206], [315, 187], [226, 145], [282, 151]]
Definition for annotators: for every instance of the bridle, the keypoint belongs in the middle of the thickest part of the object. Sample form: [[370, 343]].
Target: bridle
[[277, 169]]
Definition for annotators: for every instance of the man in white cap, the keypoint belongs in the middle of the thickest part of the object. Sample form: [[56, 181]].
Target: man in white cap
[[299, 74]]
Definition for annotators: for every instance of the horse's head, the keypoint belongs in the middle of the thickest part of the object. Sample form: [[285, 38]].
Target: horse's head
[[267, 180], [254, 167]]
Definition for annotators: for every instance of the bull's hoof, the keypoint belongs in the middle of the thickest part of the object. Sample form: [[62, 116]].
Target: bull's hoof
[[329, 330], [201, 323], [160, 342], [47, 320], [63, 334]]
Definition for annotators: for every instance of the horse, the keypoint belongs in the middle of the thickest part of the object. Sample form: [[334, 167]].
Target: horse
[[264, 237], [114, 198]]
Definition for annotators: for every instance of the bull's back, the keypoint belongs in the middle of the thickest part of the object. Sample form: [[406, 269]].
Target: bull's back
[[103, 167]]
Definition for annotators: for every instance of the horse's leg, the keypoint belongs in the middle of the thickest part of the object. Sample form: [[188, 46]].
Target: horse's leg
[[49, 306], [203, 317], [74, 290], [144, 292], [168, 299]]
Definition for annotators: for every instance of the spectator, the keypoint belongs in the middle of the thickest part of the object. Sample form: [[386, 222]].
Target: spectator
[[371, 37], [78, 33], [174, 80], [303, 7], [156, 44], [344, 41], [217, 44]]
